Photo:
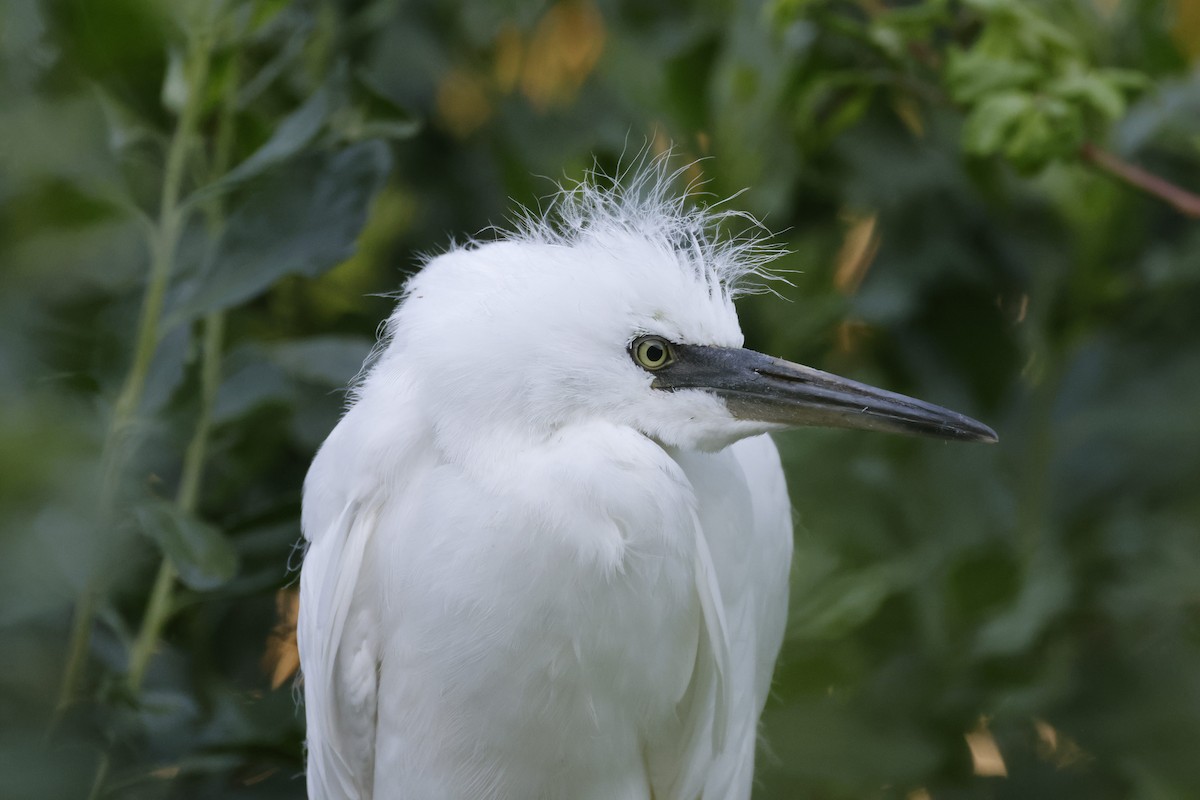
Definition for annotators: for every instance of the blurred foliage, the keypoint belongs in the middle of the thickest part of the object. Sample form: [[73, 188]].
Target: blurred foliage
[[1027, 85], [202, 202]]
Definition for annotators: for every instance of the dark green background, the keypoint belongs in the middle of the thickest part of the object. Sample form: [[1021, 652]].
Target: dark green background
[[1050, 583]]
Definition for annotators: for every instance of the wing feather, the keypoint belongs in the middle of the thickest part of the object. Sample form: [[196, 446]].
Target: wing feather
[[340, 681], [743, 555], [707, 703]]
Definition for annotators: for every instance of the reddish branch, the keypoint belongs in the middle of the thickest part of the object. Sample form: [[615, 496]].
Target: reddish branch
[[1184, 201]]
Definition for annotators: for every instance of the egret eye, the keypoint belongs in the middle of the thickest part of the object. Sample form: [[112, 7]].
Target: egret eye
[[651, 352]]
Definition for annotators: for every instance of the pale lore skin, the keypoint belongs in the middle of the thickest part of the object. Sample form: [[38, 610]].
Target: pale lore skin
[[548, 543]]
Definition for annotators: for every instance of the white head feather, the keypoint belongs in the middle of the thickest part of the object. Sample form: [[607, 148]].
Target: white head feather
[[520, 336]]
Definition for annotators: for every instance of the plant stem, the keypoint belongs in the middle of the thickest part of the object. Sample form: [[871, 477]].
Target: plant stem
[[1181, 199], [163, 245], [158, 608], [117, 443], [77, 647], [210, 382], [97, 789]]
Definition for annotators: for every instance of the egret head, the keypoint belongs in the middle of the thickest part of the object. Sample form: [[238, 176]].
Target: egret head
[[617, 307]]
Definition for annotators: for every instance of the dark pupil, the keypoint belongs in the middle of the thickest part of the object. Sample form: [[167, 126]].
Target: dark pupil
[[654, 353]]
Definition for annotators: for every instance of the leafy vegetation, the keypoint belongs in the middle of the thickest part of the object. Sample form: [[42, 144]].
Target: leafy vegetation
[[986, 204]]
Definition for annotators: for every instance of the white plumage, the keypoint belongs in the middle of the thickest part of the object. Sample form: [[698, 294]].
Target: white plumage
[[540, 563]]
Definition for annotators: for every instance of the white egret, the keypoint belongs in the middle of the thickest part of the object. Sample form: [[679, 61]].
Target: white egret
[[549, 541]]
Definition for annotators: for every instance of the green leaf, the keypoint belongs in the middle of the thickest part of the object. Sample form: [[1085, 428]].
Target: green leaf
[[831, 106], [1095, 90], [842, 603], [1053, 130], [375, 115], [265, 11], [283, 373], [1129, 80], [394, 129], [324, 360], [989, 123], [251, 382], [200, 553], [1044, 594], [167, 369], [1032, 143], [975, 75], [295, 132], [888, 40], [302, 220], [126, 127], [175, 87]]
